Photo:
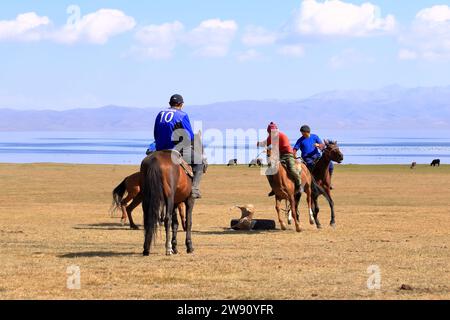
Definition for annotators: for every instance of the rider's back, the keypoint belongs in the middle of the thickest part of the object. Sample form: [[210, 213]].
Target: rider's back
[[168, 121]]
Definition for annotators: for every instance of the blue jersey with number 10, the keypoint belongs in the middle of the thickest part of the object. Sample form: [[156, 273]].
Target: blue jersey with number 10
[[166, 123]]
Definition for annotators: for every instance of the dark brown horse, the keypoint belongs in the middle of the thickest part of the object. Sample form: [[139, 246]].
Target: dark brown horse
[[322, 176], [165, 184], [132, 186]]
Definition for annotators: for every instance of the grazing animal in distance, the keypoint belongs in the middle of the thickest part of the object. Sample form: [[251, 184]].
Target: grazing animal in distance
[[436, 162], [232, 162], [256, 162], [413, 165]]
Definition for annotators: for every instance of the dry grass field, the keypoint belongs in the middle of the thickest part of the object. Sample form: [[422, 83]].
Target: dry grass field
[[54, 216]]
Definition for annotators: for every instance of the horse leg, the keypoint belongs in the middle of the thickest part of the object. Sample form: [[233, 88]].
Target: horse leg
[[182, 213], [297, 198], [332, 222], [278, 208], [174, 232], [309, 201], [316, 211], [168, 224], [189, 208], [123, 207], [288, 213], [295, 213], [136, 201]]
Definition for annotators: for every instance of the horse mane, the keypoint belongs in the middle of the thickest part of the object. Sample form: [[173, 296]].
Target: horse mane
[[330, 142], [321, 167]]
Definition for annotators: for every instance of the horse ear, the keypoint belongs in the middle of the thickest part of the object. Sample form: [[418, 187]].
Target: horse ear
[[326, 142]]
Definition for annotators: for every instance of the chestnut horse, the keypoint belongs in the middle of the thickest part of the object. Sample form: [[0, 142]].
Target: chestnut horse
[[131, 185], [284, 188], [165, 184], [321, 174]]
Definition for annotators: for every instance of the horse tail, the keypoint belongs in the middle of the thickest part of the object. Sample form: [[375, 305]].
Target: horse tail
[[153, 196], [117, 195], [317, 189]]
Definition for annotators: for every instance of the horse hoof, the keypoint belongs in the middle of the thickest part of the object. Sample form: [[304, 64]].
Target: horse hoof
[[122, 222], [283, 227], [190, 250], [333, 225], [169, 252], [175, 251], [146, 253], [319, 226], [311, 222], [299, 229], [134, 227]]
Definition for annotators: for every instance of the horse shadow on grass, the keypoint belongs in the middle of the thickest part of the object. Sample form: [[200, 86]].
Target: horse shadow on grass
[[103, 226], [228, 231], [96, 254]]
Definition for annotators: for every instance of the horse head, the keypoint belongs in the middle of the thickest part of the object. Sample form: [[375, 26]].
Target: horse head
[[332, 150]]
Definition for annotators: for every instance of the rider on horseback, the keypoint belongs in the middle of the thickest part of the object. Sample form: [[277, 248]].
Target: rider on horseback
[[310, 144], [168, 136], [286, 154]]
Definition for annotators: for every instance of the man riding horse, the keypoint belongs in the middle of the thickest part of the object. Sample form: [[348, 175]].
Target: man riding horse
[[172, 127], [278, 139], [310, 144]]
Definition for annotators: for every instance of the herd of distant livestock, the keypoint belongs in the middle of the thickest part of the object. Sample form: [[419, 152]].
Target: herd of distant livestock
[[434, 163], [259, 163]]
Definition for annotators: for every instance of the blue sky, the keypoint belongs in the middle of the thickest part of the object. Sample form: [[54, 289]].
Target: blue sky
[[139, 53]]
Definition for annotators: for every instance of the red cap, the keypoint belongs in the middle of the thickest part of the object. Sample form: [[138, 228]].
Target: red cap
[[272, 126]]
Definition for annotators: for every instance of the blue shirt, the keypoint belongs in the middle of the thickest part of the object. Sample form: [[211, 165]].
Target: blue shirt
[[307, 146], [152, 147], [166, 123]]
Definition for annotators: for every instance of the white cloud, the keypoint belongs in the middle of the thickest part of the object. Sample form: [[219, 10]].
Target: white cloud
[[97, 27], [159, 41], [435, 14], [429, 36], [338, 18], [349, 58], [249, 55], [405, 54], [292, 50], [26, 27], [258, 36], [212, 38]]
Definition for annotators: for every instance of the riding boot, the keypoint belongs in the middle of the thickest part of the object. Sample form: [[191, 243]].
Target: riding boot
[[293, 172], [198, 173]]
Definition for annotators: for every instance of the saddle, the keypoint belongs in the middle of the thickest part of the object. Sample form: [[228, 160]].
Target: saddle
[[180, 161], [297, 161]]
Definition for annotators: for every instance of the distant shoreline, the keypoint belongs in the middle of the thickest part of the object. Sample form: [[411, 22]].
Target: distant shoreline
[[211, 165]]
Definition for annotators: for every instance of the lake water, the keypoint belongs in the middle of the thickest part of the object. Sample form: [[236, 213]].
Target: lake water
[[362, 147]]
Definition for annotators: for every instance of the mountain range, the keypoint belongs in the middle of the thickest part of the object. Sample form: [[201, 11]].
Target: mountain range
[[392, 107]]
